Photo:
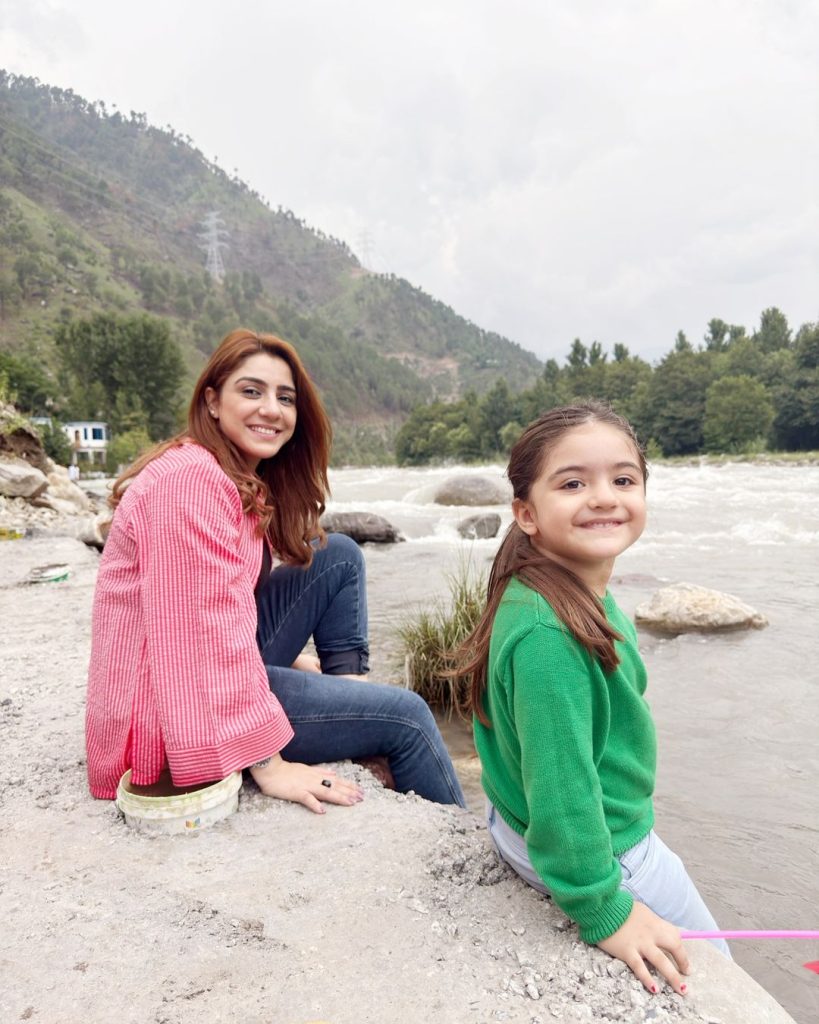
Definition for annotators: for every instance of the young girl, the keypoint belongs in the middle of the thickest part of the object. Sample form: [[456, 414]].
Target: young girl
[[196, 663], [564, 734]]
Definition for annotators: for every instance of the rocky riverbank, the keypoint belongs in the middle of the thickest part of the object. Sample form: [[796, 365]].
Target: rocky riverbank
[[392, 911], [38, 497]]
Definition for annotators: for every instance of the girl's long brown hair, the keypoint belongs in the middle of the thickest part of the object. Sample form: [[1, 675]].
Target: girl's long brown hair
[[573, 602], [288, 491]]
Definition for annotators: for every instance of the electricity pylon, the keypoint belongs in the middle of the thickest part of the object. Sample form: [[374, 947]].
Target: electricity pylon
[[212, 235]]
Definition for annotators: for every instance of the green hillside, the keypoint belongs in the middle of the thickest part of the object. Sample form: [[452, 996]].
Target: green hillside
[[102, 213]]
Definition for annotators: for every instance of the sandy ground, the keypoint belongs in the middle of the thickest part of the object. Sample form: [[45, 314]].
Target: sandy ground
[[395, 910]]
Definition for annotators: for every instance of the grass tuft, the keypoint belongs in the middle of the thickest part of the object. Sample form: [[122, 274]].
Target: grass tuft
[[430, 639]]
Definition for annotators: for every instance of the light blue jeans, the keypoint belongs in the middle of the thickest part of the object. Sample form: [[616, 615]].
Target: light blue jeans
[[653, 874], [335, 718]]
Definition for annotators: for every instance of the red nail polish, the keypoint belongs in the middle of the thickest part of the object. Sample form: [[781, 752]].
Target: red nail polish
[[654, 990], [683, 988]]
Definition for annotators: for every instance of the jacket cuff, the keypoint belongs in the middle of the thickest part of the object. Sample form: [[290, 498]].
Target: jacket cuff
[[202, 764]]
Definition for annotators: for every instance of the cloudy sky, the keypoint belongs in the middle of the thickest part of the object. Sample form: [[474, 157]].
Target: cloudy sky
[[615, 170]]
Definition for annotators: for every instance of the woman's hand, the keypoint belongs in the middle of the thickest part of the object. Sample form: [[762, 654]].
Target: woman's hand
[[302, 784], [644, 937], [307, 663]]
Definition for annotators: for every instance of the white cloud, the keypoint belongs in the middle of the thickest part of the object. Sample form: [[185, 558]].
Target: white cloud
[[610, 170]]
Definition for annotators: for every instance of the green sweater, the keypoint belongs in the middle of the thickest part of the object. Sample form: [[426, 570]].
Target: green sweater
[[569, 761]]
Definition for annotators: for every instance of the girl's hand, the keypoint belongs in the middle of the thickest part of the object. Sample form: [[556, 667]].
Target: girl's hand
[[645, 937], [301, 784], [307, 663]]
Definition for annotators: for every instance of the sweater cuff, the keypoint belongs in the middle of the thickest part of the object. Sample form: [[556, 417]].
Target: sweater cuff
[[608, 918]]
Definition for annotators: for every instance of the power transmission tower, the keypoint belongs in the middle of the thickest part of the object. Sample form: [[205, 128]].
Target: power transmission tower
[[365, 247], [212, 235]]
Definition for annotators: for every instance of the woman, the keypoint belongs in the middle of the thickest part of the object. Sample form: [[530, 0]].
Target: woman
[[195, 661]]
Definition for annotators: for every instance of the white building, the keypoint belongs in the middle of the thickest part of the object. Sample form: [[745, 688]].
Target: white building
[[89, 439]]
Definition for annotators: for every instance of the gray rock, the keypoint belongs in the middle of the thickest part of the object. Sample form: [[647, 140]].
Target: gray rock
[[20, 480], [48, 500], [686, 608], [252, 933], [480, 527], [62, 489], [90, 529], [363, 527], [472, 490]]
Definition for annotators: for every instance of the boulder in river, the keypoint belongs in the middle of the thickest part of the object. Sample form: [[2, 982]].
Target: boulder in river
[[472, 489], [686, 608], [363, 527], [480, 527]]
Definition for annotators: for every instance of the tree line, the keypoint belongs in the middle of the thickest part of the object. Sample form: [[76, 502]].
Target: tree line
[[129, 370], [734, 393]]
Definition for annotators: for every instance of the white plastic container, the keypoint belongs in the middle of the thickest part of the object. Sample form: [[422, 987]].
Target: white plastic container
[[162, 808]]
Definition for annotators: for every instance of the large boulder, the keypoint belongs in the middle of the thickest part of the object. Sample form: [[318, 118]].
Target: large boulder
[[18, 479], [686, 608], [472, 489], [90, 529], [480, 527], [63, 495], [363, 527]]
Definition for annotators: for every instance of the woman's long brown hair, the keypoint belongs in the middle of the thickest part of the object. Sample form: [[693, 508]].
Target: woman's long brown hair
[[288, 491], [573, 602]]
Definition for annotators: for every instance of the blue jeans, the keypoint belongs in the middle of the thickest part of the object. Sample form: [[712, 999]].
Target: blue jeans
[[336, 719], [653, 874]]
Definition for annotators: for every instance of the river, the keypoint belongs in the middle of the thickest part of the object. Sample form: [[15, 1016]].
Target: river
[[738, 782]]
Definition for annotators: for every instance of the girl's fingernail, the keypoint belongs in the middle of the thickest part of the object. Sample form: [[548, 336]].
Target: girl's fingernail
[[654, 990], [683, 988]]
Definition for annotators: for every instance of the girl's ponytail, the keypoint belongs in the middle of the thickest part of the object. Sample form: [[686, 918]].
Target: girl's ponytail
[[573, 603]]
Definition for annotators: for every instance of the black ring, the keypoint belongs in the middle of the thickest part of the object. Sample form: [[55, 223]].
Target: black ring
[[326, 782]]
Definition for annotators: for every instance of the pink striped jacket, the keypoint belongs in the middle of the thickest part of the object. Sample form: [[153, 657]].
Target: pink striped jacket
[[176, 677]]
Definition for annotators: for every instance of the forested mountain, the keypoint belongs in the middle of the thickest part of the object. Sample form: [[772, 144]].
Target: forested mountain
[[107, 311], [102, 213]]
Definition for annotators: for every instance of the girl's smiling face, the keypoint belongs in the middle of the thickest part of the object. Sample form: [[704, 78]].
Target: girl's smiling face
[[588, 502], [256, 407]]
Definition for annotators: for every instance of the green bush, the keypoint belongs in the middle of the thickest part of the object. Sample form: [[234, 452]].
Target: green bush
[[55, 443], [125, 448], [431, 639]]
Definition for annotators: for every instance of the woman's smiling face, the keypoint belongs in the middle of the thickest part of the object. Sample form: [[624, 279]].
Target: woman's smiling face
[[256, 407]]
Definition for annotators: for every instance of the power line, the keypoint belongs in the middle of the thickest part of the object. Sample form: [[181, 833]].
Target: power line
[[78, 178], [82, 188]]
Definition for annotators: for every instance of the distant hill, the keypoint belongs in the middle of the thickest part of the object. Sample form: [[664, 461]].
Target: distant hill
[[102, 212]]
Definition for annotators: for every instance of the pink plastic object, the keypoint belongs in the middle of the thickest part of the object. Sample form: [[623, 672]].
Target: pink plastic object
[[751, 935]]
